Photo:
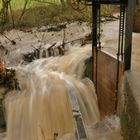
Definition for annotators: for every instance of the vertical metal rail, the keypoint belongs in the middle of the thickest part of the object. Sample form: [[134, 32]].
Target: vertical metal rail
[[99, 26], [94, 36], [96, 44], [120, 50], [123, 9], [128, 33]]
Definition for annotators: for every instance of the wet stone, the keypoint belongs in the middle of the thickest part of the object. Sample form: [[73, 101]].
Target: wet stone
[[3, 92]]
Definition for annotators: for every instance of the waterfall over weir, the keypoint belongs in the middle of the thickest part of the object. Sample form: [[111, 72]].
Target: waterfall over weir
[[51, 90]]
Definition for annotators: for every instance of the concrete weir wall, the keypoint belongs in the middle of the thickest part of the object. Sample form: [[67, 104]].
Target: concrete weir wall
[[130, 117]]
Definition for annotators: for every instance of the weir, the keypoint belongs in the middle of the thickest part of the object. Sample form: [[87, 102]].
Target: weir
[[107, 70]]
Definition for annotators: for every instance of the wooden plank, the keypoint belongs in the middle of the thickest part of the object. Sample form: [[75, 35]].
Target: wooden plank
[[106, 81]]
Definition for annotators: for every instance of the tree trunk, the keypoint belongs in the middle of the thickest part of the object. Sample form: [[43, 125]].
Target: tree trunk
[[4, 10], [63, 4]]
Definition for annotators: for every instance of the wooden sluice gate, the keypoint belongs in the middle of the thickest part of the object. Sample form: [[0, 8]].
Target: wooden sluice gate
[[106, 82]]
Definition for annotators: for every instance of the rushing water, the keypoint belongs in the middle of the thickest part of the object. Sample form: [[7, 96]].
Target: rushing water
[[53, 93], [51, 89]]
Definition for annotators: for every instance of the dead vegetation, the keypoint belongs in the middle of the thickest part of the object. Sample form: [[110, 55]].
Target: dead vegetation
[[7, 78]]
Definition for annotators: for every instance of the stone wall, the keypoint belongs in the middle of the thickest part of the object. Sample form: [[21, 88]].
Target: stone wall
[[137, 18], [3, 92], [130, 117]]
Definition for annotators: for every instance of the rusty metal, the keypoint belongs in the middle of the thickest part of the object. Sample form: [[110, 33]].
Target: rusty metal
[[120, 49], [122, 30], [81, 4], [96, 39], [128, 33], [96, 45], [110, 84]]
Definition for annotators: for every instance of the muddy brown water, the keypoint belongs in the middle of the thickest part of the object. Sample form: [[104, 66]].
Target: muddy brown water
[[110, 128]]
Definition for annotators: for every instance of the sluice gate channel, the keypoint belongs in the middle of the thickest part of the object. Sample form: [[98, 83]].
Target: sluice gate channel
[[108, 70]]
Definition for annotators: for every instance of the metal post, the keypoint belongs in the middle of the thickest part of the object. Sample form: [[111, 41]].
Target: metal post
[[94, 39], [120, 51], [128, 33]]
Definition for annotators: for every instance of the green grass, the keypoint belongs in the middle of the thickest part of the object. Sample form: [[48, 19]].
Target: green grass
[[39, 14], [52, 14], [19, 4]]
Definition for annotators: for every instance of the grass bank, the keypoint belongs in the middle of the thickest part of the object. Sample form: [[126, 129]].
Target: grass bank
[[40, 15], [19, 4], [52, 14]]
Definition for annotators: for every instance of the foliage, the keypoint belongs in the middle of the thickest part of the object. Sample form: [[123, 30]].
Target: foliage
[[51, 14], [18, 4], [43, 13], [46, 12]]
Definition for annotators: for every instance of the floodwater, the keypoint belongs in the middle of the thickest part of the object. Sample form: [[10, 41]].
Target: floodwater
[[53, 89], [110, 43], [45, 104]]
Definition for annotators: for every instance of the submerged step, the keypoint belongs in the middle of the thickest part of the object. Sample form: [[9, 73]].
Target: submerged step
[[80, 129], [78, 120]]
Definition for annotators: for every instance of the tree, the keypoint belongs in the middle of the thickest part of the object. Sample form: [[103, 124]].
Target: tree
[[4, 10], [63, 4]]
